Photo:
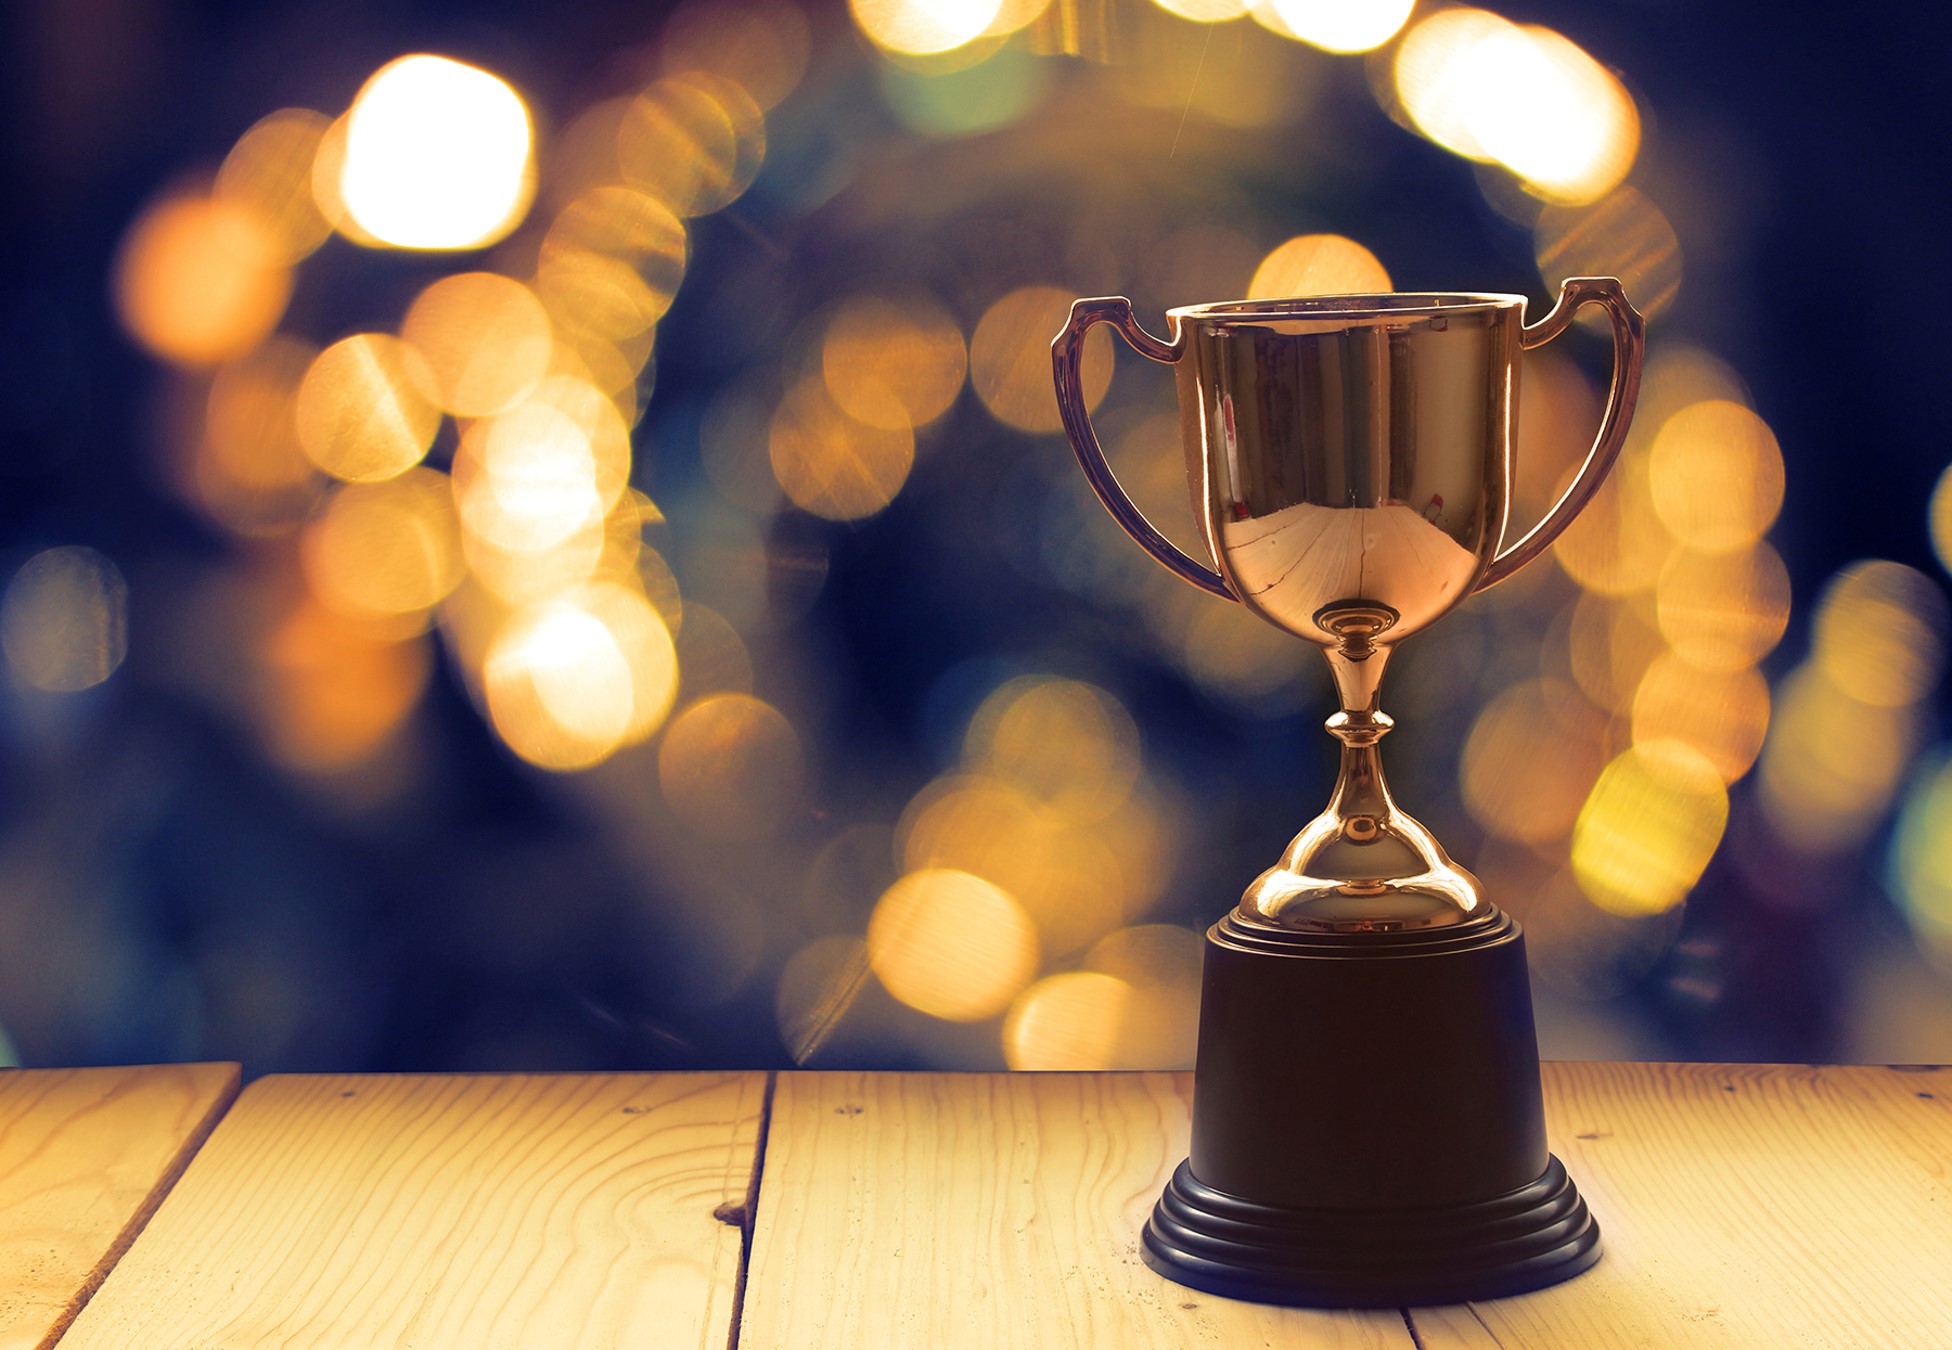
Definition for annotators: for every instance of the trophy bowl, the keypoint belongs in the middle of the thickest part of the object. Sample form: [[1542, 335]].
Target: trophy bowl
[[1367, 1127]]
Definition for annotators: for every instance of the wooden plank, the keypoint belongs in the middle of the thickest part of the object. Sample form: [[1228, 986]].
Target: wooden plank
[[479, 1213], [935, 1211], [1743, 1205], [85, 1155]]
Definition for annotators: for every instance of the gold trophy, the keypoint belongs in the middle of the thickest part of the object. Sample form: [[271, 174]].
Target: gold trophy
[[1367, 1125]]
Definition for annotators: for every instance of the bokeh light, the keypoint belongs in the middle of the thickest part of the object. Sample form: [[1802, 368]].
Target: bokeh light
[[1722, 714], [1160, 964], [571, 681], [693, 142], [762, 45], [64, 621], [1074, 1021], [1343, 25], [1526, 98], [1531, 758], [438, 155], [1649, 827], [193, 281], [893, 364], [1921, 860], [484, 338], [731, 766], [335, 691], [360, 412], [385, 550], [830, 464], [1318, 264], [249, 469], [1010, 362], [1831, 763], [268, 173], [1716, 474], [1622, 235], [1880, 633], [923, 27], [1723, 612], [951, 945]]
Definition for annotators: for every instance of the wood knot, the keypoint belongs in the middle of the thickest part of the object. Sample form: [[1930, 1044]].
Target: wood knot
[[731, 1213]]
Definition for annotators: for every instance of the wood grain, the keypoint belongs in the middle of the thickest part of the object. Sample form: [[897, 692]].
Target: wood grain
[[1743, 1206], [479, 1213], [937, 1211], [85, 1155]]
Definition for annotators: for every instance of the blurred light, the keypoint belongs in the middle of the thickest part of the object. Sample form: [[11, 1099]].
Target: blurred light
[[1939, 518], [1613, 642], [438, 155], [982, 97], [1880, 633], [1532, 756], [251, 469], [192, 280], [1318, 264], [828, 463], [337, 690], [1437, 75], [731, 767], [485, 339], [1070, 745], [611, 262], [64, 622], [360, 412], [712, 657], [1647, 831], [893, 364], [1831, 762], [1623, 235], [1617, 545], [680, 143], [1010, 362], [1921, 860], [1067, 880], [1074, 1022], [1723, 714], [1723, 612], [1524, 97], [1161, 964], [382, 550], [923, 27], [570, 682], [526, 479], [820, 985], [1716, 474], [951, 945], [1558, 409], [1206, 11], [1343, 25], [762, 44], [1239, 656], [269, 174]]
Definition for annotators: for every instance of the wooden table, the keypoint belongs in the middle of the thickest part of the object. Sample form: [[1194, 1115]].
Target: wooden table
[[1742, 1206]]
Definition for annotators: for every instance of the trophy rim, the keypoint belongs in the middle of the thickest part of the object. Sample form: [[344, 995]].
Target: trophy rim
[[1355, 305]]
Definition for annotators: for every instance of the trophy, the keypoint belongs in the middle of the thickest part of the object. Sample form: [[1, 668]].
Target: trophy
[[1368, 1128]]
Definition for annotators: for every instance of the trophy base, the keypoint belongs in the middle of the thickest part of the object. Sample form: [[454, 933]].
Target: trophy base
[[1221, 1244], [1368, 1128]]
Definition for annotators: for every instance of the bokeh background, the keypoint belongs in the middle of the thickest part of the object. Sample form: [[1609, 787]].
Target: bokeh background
[[541, 541]]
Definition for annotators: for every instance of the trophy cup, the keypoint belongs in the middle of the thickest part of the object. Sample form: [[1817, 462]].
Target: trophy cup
[[1368, 1128]]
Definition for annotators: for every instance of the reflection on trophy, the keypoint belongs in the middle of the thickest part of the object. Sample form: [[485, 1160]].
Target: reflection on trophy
[[1367, 1126]]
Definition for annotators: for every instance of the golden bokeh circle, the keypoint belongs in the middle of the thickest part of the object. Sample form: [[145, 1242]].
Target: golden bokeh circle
[[485, 339], [361, 413], [1010, 358], [828, 463], [731, 767], [951, 945], [893, 363], [383, 550], [1318, 264], [1649, 827], [1716, 475], [1072, 1022]]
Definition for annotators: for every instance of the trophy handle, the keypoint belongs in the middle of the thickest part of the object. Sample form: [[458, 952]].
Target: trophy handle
[[1067, 359], [1629, 338]]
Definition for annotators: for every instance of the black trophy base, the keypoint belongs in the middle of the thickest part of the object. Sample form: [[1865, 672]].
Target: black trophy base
[[1339, 1258], [1368, 1129]]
